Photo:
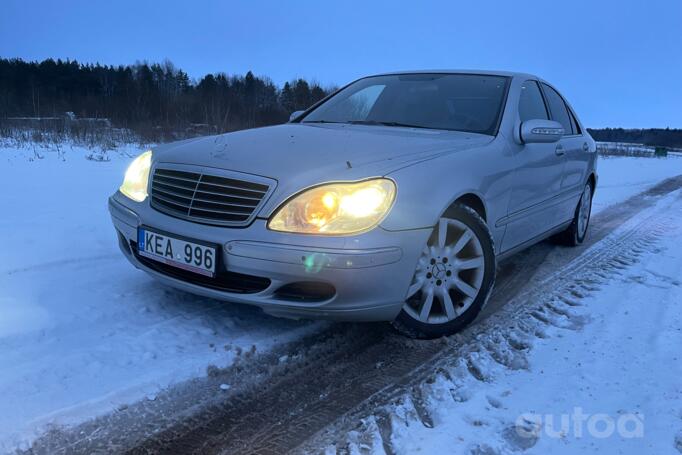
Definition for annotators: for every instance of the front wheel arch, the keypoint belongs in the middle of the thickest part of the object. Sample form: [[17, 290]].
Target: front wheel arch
[[471, 200]]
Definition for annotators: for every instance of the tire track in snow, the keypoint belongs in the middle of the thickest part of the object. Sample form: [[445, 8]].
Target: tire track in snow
[[61, 262]]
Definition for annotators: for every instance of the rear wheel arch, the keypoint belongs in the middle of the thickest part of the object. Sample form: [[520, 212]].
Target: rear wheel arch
[[592, 180]]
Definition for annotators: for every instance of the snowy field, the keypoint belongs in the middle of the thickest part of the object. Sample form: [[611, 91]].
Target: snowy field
[[83, 333], [623, 177]]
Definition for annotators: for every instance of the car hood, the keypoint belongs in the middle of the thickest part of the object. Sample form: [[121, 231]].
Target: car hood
[[300, 155]]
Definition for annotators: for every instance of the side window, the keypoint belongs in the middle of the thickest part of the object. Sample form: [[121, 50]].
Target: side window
[[558, 109], [531, 104], [574, 123]]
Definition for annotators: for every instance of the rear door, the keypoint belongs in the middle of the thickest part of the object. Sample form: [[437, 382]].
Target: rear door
[[537, 181], [575, 147]]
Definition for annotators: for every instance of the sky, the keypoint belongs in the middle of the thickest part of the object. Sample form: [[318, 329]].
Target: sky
[[619, 63]]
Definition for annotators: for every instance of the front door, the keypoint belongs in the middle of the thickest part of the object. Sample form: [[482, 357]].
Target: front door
[[575, 148], [533, 208]]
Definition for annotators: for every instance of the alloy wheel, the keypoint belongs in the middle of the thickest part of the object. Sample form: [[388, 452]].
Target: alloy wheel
[[449, 274], [584, 210]]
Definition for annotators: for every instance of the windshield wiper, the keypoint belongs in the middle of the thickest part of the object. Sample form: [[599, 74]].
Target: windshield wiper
[[370, 122], [376, 122]]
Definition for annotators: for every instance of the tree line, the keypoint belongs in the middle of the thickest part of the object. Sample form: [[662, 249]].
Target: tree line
[[148, 98], [161, 102], [662, 137]]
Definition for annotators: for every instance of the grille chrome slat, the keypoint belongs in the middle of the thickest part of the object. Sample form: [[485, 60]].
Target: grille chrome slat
[[207, 198], [189, 186], [231, 183], [226, 212], [216, 206], [234, 204], [168, 201], [171, 193], [211, 219], [231, 187], [228, 190], [190, 176], [257, 199]]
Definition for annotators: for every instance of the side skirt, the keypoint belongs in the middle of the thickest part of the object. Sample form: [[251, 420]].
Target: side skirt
[[506, 254]]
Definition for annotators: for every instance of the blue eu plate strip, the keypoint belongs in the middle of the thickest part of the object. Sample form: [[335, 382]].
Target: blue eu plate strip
[[140, 239]]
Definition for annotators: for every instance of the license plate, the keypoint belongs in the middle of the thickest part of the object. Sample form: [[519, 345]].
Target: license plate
[[182, 254]]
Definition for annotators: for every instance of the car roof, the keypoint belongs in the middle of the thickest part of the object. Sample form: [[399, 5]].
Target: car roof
[[463, 71]]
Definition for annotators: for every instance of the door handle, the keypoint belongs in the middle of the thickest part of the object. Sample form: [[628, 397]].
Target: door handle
[[559, 150], [586, 148]]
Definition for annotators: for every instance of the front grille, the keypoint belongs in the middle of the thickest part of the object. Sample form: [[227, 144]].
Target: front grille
[[206, 198]]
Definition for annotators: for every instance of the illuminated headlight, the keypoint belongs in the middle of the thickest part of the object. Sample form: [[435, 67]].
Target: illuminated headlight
[[338, 208], [137, 175]]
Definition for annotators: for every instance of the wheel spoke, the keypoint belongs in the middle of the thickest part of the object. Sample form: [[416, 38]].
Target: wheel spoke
[[448, 305], [442, 232], [426, 306], [454, 247], [472, 263], [468, 290], [461, 243], [584, 213], [414, 288]]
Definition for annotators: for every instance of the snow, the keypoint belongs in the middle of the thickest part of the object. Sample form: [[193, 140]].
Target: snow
[[610, 386], [83, 333], [623, 177]]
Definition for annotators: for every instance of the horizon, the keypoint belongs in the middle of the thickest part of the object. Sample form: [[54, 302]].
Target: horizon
[[614, 68]]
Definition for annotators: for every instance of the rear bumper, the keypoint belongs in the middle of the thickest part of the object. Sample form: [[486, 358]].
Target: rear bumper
[[369, 273]]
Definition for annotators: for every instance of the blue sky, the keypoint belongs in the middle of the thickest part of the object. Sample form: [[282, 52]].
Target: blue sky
[[618, 62]]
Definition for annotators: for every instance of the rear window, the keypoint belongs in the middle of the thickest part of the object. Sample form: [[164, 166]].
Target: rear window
[[574, 123]]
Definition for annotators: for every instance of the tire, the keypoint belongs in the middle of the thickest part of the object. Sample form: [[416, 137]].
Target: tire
[[576, 233], [453, 279]]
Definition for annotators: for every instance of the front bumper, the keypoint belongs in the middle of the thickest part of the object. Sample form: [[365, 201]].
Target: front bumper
[[370, 273]]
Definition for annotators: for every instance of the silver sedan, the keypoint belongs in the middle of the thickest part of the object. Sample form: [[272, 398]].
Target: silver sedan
[[390, 200]]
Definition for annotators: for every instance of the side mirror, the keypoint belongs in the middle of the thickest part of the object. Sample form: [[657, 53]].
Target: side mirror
[[294, 115], [541, 131]]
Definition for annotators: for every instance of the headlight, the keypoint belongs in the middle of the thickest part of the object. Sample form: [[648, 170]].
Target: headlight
[[137, 175], [338, 208]]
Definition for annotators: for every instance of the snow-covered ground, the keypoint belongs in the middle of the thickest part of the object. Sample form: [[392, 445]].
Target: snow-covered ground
[[623, 177], [82, 332], [612, 386]]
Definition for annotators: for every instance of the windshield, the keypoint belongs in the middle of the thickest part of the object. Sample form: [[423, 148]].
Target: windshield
[[462, 102]]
